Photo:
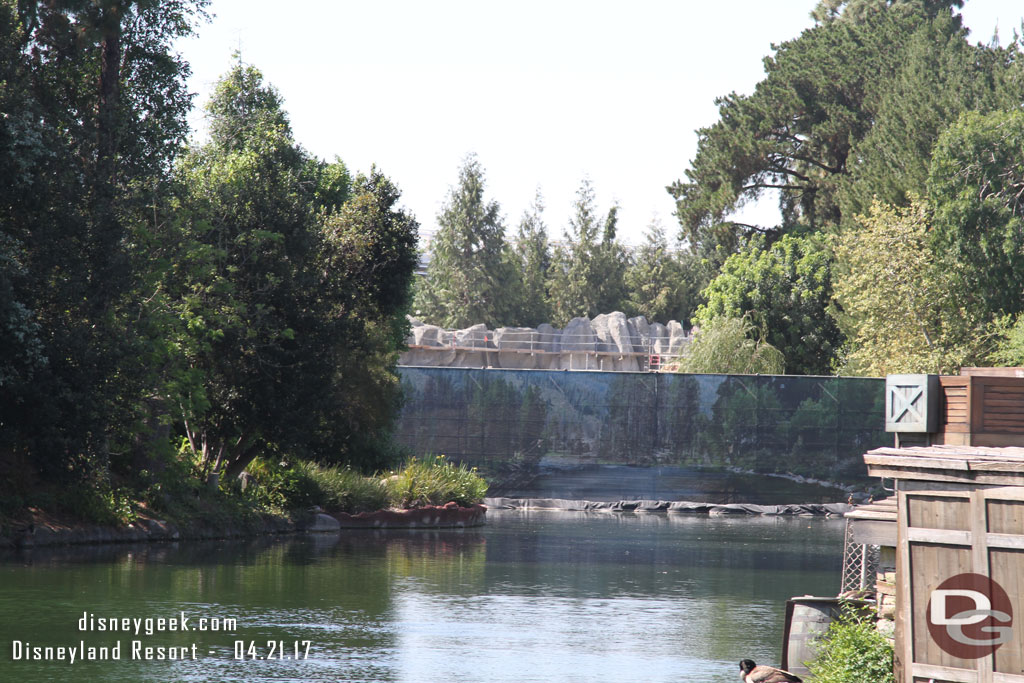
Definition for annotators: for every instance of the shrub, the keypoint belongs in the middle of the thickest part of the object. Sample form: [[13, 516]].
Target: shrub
[[435, 482], [345, 489], [728, 345], [853, 651]]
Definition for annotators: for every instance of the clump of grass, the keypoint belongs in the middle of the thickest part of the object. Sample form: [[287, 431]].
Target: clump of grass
[[345, 489], [435, 481]]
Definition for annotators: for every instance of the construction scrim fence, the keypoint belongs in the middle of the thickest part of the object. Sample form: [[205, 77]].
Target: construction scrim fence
[[815, 427]]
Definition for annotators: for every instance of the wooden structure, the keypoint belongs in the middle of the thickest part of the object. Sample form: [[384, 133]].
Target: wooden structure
[[978, 407], [960, 513]]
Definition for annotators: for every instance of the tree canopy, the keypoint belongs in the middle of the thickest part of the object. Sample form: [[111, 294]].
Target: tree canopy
[[471, 268]]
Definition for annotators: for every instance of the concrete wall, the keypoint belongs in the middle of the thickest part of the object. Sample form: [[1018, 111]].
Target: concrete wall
[[522, 420]]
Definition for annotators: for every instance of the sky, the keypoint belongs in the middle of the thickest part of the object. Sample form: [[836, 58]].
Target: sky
[[544, 93]]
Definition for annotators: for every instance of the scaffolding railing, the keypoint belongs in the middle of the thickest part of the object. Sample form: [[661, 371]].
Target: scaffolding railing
[[654, 352]]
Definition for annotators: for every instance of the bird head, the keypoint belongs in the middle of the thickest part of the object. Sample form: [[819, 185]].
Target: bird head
[[747, 665]]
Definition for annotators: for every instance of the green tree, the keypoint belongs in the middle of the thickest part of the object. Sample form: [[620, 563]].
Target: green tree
[[661, 285], [787, 289], [613, 261], [860, 10], [472, 277], [941, 76], [587, 275], [795, 132], [975, 184], [899, 302], [94, 110], [533, 257], [287, 293], [731, 345]]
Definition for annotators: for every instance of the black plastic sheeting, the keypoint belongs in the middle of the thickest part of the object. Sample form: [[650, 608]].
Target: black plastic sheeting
[[804, 509]]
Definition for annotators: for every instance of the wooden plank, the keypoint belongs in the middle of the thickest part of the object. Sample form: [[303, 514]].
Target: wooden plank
[[955, 451], [992, 372], [887, 516], [974, 395], [996, 440], [997, 466], [917, 461], [938, 512], [911, 473], [1006, 567], [999, 677], [997, 401], [903, 651], [1005, 541], [944, 673], [980, 562], [994, 421], [930, 565], [1005, 493], [940, 536]]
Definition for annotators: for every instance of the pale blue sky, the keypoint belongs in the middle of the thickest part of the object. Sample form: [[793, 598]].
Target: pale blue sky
[[544, 93]]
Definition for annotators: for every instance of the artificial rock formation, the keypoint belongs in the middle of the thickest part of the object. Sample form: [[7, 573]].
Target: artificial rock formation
[[609, 342]]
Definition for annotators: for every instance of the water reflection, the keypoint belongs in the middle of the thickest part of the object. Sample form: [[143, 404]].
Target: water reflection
[[534, 596]]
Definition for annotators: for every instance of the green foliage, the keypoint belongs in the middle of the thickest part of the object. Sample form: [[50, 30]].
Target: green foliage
[[94, 108], [727, 345], [587, 274], [472, 277], [899, 303], [794, 134], [940, 76], [853, 651], [860, 10], [301, 484], [288, 311], [533, 257], [786, 290], [662, 284], [435, 482], [975, 184], [1009, 341]]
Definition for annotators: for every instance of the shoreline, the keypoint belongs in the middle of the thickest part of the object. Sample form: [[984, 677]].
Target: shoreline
[[45, 531]]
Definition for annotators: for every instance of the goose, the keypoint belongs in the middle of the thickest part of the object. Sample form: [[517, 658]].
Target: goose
[[752, 673]]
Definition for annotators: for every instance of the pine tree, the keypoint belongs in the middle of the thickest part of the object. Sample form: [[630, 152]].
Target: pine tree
[[471, 277], [586, 274], [533, 257]]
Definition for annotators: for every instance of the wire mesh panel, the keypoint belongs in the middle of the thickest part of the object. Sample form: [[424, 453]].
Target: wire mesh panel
[[860, 564]]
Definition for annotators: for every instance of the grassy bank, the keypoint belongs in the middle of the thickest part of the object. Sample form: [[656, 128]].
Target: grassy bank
[[269, 489], [433, 481]]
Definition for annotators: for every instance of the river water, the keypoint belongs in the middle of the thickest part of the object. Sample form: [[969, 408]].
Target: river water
[[532, 596]]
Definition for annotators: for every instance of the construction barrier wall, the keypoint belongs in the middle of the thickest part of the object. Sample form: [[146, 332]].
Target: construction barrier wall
[[496, 419]]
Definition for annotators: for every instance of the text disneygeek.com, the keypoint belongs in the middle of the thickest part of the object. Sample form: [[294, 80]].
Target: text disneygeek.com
[[135, 648]]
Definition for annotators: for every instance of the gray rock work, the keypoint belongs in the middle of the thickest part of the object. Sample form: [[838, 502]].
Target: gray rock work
[[609, 342]]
